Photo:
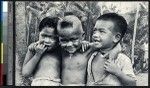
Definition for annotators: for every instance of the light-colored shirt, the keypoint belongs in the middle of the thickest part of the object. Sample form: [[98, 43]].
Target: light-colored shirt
[[108, 79]]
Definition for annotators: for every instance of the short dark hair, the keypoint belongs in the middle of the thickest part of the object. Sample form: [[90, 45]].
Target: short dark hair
[[68, 13], [119, 21], [49, 22], [65, 24]]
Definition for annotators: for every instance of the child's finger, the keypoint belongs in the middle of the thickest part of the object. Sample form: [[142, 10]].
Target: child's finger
[[42, 45], [91, 44], [37, 42], [82, 47], [108, 61], [85, 46], [111, 59], [41, 42], [35, 45], [38, 46], [45, 48], [105, 67]]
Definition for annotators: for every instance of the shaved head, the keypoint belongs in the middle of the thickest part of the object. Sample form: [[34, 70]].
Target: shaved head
[[69, 25]]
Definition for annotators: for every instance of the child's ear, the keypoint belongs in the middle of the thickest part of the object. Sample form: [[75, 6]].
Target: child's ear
[[117, 37]]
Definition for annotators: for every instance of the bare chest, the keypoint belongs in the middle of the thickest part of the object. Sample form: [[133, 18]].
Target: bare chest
[[98, 67], [75, 62], [48, 65]]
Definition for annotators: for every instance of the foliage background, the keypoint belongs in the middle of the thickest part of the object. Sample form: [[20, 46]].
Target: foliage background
[[29, 14]]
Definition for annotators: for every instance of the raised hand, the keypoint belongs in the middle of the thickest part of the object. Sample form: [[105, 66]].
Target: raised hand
[[32, 46], [111, 67], [40, 47], [85, 45]]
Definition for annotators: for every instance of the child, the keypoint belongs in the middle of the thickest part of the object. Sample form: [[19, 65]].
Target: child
[[74, 60], [42, 60], [108, 66]]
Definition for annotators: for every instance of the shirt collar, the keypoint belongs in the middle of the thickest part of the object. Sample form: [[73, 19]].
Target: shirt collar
[[112, 54]]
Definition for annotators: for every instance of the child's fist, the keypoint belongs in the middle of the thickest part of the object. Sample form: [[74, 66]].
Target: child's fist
[[85, 45], [40, 48], [32, 46], [111, 66]]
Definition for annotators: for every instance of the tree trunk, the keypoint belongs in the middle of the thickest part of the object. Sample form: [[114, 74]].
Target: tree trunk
[[21, 46], [134, 33]]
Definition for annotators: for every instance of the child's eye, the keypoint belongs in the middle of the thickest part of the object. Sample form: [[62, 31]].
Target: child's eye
[[63, 40], [74, 39], [102, 31], [94, 32], [94, 29], [47, 36], [43, 36]]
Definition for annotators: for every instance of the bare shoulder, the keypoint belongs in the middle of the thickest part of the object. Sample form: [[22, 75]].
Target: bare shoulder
[[88, 52]]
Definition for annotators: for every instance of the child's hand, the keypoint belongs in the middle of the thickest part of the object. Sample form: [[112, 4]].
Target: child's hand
[[40, 48], [32, 46], [111, 66], [85, 45]]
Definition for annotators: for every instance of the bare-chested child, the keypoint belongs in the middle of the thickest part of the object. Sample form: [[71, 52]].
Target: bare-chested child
[[108, 66], [42, 61], [74, 60]]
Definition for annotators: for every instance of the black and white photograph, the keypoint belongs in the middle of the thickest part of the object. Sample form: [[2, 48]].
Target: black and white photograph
[[79, 43]]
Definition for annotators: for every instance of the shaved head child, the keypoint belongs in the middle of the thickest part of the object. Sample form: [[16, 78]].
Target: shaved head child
[[74, 60]]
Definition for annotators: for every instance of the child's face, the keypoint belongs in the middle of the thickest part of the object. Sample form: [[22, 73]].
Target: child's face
[[103, 34], [69, 40], [48, 37]]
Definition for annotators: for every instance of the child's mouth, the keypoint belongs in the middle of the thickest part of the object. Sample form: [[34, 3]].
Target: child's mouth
[[96, 40], [70, 49], [96, 44], [47, 44]]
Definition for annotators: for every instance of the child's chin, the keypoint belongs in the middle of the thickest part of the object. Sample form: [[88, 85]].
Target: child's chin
[[71, 51], [96, 47]]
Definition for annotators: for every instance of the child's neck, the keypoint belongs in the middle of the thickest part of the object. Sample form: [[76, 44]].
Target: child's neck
[[104, 51]]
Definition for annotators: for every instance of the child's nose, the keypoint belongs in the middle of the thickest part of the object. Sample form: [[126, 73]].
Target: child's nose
[[69, 43], [95, 35], [47, 40]]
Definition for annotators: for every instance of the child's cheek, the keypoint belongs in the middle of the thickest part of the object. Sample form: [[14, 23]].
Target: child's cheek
[[63, 45], [77, 44]]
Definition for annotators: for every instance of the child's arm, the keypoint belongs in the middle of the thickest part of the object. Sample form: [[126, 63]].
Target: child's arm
[[86, 45], [31, 59], [125, 79]]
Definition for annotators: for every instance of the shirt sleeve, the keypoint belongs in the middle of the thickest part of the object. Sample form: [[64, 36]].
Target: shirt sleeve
[[127, 66]]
